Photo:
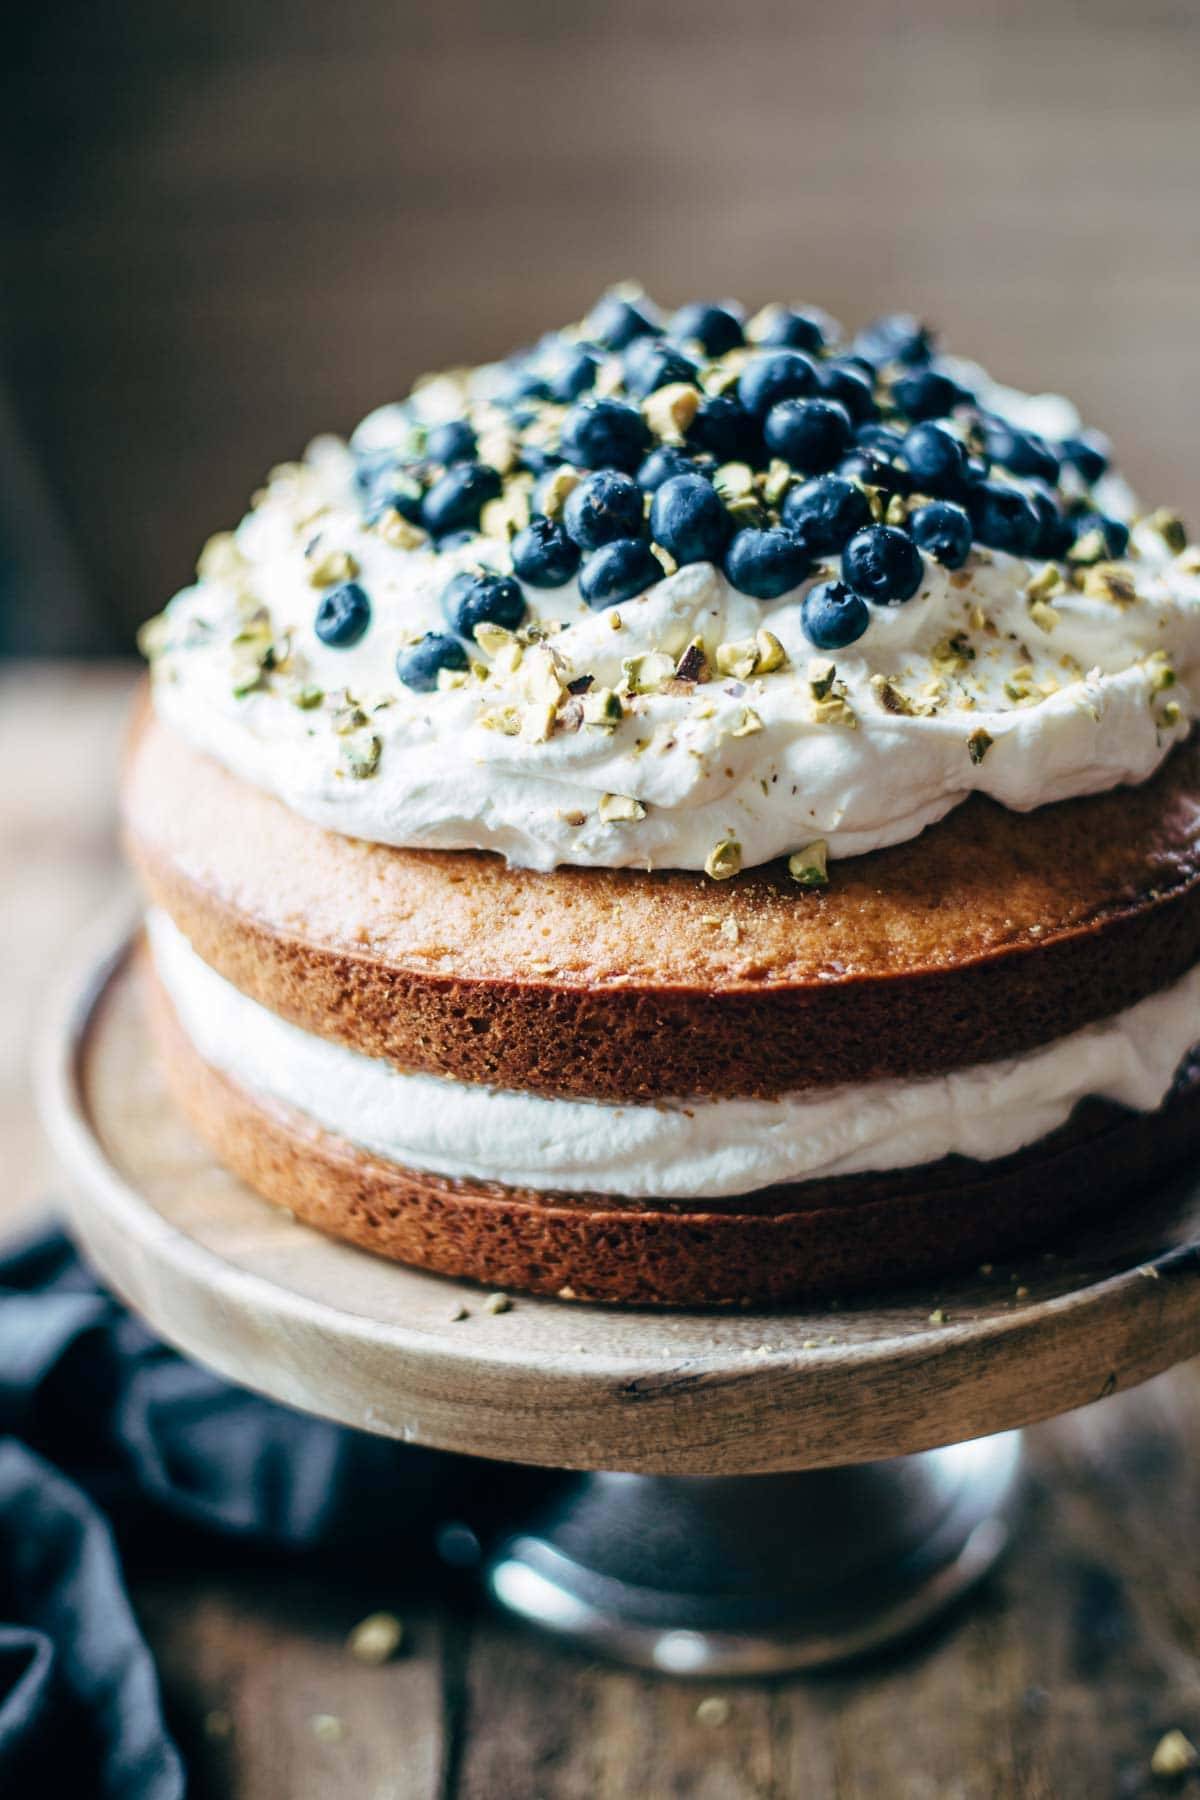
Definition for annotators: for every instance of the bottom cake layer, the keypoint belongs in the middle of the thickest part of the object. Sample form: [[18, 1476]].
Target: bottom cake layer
[[811, 1238]]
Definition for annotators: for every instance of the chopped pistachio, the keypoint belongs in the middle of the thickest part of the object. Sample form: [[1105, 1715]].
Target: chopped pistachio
[[348, 717], [1174, 1755], [331, 567], [821, 674], [645, 674], [601, 706], [746, 723], [1170, 528], [1092, 547], [896, 511], [377, 1638], [777, 480], [738, 658], [507, 720], [398, 531], [1044, 617], [306, 697], [771, 653], [493, 638], [498, 445], [735, 481], [809, 867], [506, 515], [1110, 581], [327, 1728], [1170, 714], [978, 745], [360, 754], [836, 710], [1047, 582], [1162, 674], [556, 488], [724, 859], [693, 664], [620, 809], [951, 655], [891, 695], [670, 410]]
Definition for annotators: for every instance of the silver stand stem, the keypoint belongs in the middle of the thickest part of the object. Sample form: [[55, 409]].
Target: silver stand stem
[[757, 1574]]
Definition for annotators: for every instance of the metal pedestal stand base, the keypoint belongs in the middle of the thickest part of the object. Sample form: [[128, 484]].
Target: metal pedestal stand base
[[749, 1575]]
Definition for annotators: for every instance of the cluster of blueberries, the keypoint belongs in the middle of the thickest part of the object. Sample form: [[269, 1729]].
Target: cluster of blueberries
[[882, 415]]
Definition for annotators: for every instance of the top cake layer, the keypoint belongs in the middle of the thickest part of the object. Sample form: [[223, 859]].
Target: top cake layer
[[689, 593]]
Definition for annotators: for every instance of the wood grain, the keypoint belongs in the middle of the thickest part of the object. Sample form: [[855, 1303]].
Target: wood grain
[[1055, 1685]]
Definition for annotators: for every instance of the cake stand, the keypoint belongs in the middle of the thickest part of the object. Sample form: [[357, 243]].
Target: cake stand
[[757, 1490]]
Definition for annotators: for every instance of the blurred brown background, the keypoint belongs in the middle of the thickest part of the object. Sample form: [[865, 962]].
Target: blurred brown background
[[229, 226]]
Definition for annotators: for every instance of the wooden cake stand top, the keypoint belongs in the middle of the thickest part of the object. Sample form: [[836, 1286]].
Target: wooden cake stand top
[[274, 1306]]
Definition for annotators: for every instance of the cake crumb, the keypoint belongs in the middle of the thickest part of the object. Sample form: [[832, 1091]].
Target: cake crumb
[[497, 1303], [1174, 1754], [567, 1293], [939, 1316], [1022, 1293], [376, 1638], [713, 1711], [456, 1313]]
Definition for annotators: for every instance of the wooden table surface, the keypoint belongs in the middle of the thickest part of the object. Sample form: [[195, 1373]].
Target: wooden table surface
[[1057, 1682]]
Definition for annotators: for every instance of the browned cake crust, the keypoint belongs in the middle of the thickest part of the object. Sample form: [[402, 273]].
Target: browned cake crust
[[814, 1237], [990, 934]]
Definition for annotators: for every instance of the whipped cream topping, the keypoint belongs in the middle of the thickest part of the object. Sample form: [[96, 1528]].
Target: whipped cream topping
[[1000, 676], [694, 1150]]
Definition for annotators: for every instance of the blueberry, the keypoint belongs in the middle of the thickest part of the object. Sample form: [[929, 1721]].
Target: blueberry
[[604, 434], [373, 466], [1089, 453], [883, 564], [618, 571], [847, 384], [1022, 452], [936, 459], [875, 471], [666, 461], [615, 322], [607, 505], [715, 328], [723, 426], [419, 665], [688, 519], [458, 497], [343, 616], [543, 555], [831, 616], [897, 338], [1004, 518], [928, 394], [766, 564], [943, 531], [401, 493], [879, 440], [538, 460], [481, 597], [1114, 532], [791, 330], [778, 375], [1056, 533], [453, 442], [826, 513], [575, 375], [651, 364], [810, 434]]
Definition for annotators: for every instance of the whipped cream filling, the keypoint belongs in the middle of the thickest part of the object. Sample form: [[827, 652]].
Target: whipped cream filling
[[682, 1150]]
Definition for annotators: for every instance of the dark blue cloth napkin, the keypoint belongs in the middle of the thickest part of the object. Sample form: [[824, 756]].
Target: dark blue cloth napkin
[[107, 1439]]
